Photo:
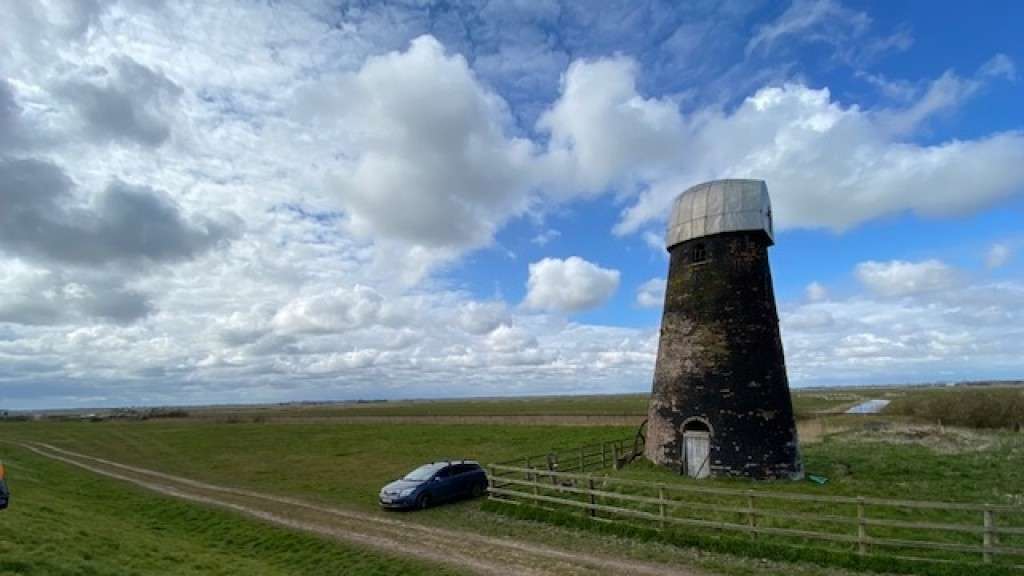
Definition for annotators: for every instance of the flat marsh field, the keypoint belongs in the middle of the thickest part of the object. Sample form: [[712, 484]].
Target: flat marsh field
[[65, 520]]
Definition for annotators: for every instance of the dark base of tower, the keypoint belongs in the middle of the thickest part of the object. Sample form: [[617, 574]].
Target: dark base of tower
[[754, 472], [789, 467]]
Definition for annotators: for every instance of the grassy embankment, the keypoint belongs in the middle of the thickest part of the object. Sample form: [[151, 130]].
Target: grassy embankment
[[64, 521]]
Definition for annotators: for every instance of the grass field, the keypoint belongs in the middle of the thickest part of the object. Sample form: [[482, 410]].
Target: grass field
[[807, 403], [988, 406], [344, 462], [63, 521], [898, 461]]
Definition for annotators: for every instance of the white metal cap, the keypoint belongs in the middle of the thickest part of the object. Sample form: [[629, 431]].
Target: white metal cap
[[720, 206]]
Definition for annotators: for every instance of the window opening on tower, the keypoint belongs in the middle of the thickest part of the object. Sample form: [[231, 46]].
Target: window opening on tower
[[699, 254]]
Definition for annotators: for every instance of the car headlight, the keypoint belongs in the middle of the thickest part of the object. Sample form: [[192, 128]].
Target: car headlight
[[406, 492]]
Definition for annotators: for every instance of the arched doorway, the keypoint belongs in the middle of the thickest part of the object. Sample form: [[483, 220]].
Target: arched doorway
[[696, 447]]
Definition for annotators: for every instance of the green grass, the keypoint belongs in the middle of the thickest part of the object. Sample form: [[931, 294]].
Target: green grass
[[863, 466], [64, 522], [345, 463], [898, 463], [832, 561], [603, 405]]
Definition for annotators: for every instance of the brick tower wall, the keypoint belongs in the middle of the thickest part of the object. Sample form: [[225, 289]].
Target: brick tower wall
[[720, 360]]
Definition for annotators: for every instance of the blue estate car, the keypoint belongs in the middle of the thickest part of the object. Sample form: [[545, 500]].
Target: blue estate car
[[434, 483]]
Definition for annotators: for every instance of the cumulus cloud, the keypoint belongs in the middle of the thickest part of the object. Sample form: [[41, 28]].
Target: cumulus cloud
[[123, 223], [998, 255], [507, 338], [434, 166], [950, 332], [651, 294], [481, 317], [570, 285], [902, 278], [128, 102], [830, 166], [603, 132], [336, 311]]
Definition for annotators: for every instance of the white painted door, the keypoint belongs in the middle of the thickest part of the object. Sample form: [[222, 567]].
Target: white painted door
[[697, 453]]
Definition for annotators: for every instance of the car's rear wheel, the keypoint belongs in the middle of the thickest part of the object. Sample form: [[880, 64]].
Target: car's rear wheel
[[477, 491], [423, 502]]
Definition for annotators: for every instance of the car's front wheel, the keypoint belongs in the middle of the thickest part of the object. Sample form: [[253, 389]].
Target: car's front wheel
[[423, 502]]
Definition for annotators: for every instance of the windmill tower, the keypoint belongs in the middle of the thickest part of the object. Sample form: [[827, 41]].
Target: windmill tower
[[721, 403]]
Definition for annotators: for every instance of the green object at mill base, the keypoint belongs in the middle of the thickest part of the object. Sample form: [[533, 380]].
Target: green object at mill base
[[821, 480]]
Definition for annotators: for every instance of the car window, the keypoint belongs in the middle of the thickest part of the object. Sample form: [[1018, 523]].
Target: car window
[[423, 473], [444, 472], [464, 468]]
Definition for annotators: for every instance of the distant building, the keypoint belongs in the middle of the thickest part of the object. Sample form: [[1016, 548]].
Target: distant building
[[721, 403]]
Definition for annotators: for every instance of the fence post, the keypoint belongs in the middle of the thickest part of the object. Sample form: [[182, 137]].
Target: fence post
[[604, 455], [531, 475], [492, 482], [862, 532], [751, 515], [661, 504], [615, 456], [593, 500], [552, 464], [989, 527]]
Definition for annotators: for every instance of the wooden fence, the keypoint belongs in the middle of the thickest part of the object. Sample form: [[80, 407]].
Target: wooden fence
[[580, 459], [909, 529]]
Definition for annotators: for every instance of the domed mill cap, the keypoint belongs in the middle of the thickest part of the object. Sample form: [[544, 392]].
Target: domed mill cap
[[720, 206]]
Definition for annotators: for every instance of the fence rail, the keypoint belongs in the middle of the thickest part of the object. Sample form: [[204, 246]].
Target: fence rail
[[579, 459], [863, 523]]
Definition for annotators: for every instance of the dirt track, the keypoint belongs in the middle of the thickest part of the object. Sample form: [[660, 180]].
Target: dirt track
[[471, 552]]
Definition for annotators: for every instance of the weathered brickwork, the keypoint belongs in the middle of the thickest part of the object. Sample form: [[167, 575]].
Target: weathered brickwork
[[720, 361]]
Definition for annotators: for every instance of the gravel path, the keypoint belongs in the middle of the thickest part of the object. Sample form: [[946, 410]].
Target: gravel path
[[471, 552]]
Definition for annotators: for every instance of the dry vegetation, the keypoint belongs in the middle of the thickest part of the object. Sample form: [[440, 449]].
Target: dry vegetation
[[969, 407]]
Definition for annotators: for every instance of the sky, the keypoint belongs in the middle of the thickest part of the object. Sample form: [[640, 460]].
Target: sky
[[221, 202]]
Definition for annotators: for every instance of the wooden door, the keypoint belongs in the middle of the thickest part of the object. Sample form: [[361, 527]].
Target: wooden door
[[697, 453]]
